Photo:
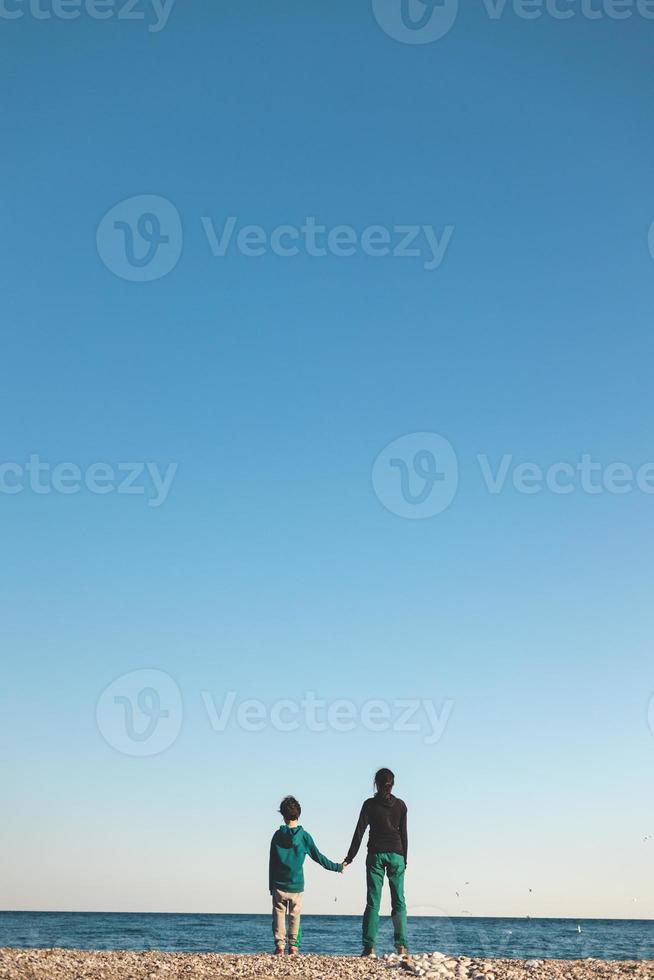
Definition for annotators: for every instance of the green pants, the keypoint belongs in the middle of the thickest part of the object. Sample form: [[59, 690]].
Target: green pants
[[376, 866]]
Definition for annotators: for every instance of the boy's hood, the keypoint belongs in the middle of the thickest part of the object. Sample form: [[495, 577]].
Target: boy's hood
[[290, 830]]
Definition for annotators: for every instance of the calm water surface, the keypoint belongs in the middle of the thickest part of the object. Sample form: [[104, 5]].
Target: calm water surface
[[332, 934]]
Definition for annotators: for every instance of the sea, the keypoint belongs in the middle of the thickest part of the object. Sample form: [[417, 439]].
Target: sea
[[608, 939]]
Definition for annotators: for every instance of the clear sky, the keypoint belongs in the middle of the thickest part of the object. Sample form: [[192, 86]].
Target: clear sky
[[280, 561]]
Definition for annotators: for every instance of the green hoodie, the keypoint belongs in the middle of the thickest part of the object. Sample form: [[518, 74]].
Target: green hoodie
[[288, 849]]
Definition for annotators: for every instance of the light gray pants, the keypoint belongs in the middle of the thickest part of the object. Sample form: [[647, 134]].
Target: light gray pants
[[281, 902]]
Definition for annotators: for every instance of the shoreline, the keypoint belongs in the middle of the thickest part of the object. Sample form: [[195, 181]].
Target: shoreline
[[74, 964]]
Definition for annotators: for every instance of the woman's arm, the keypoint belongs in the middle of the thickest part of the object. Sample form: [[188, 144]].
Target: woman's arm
[[404, 835], [359, 831]]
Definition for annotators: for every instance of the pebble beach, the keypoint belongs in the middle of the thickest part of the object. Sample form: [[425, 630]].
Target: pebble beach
[[73, 964]]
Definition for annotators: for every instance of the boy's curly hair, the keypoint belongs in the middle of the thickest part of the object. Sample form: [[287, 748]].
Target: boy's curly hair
[[289, 808]]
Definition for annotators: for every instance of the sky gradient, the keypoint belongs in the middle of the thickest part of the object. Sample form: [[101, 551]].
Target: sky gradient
[[277, 563]]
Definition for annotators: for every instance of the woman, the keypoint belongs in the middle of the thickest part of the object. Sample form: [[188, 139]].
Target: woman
[[387, 852]]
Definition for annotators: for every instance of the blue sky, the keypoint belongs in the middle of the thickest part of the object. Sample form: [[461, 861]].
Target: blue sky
[[272, 568]]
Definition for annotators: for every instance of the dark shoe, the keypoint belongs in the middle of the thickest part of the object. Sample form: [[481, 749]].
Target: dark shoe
[[279, 950], [293, 951], [369, 951]]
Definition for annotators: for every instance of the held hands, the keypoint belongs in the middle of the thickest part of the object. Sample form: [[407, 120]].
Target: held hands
[[346, 865]]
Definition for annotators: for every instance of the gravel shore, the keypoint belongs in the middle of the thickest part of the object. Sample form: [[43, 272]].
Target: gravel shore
[[72, 964]]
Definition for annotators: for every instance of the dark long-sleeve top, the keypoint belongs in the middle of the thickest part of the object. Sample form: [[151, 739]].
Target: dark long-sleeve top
[[386, 817]]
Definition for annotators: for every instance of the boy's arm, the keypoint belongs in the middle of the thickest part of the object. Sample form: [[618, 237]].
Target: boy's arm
[[270, 868], [359, 831], [404, 835], [319, 858]]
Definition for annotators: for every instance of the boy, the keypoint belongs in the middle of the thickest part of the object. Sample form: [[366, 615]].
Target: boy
[[288, 849]]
